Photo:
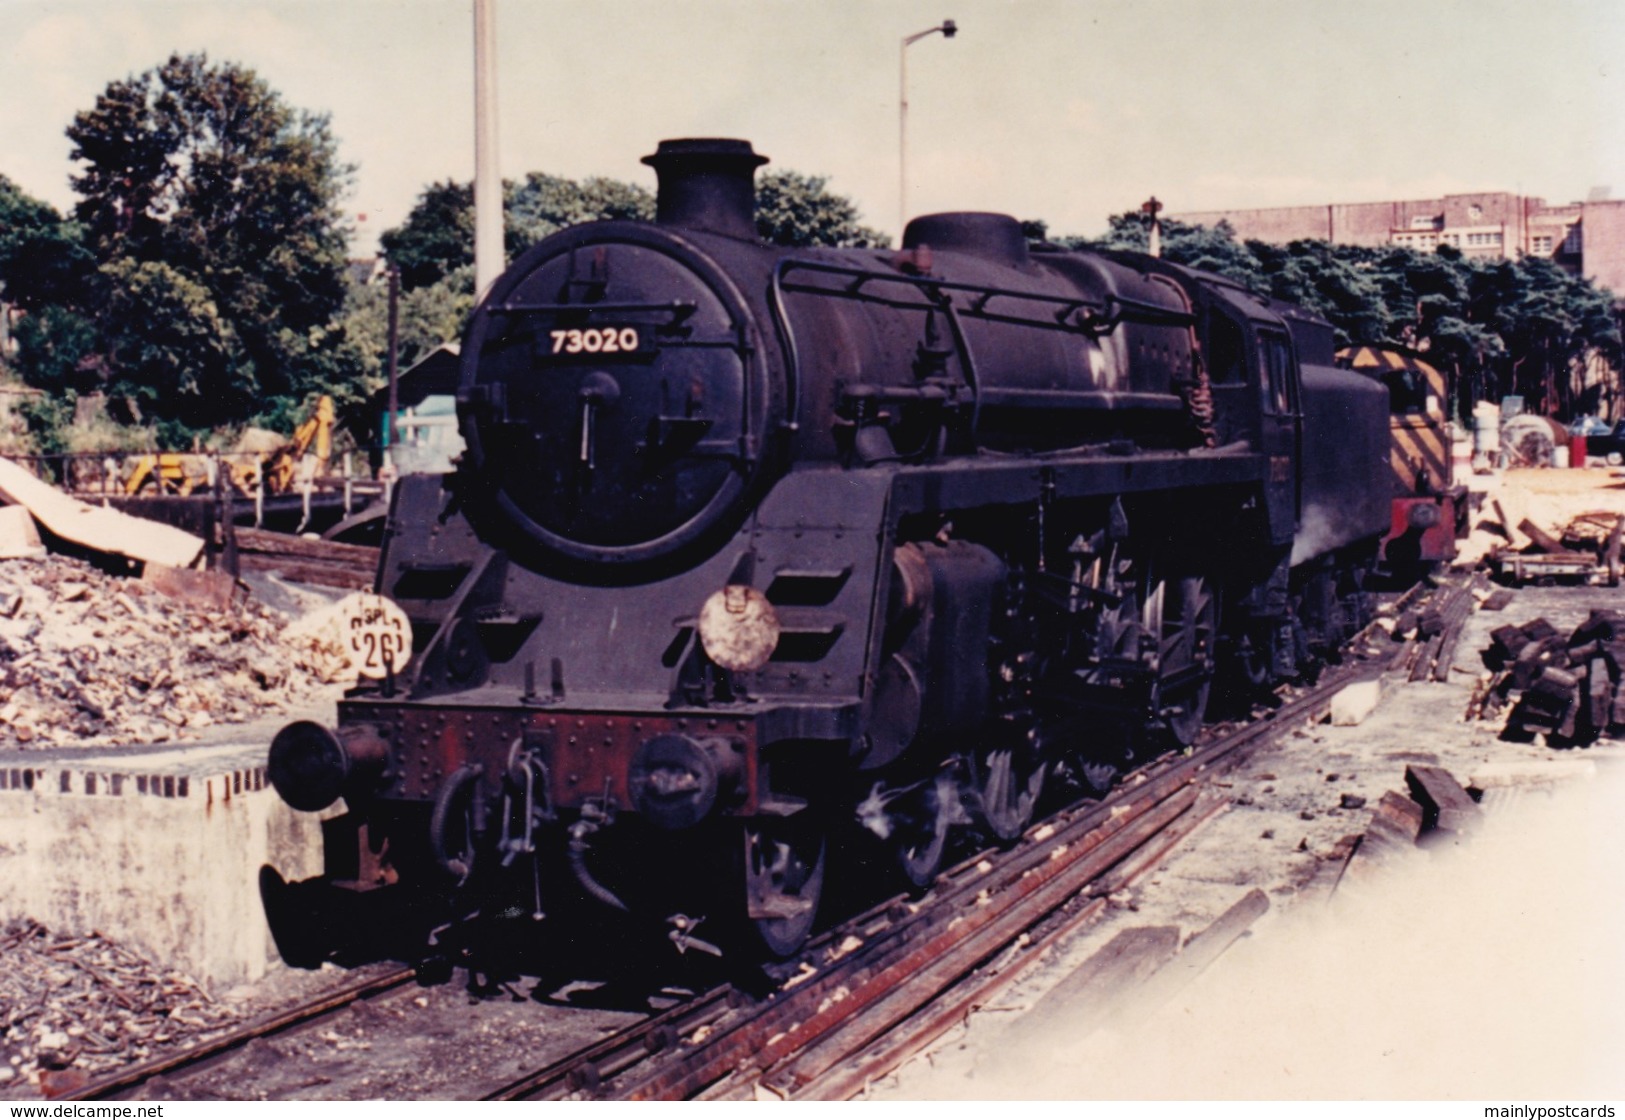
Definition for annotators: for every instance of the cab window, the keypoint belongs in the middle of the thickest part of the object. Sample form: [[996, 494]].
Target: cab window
[[1226, 351], [1275, 374]]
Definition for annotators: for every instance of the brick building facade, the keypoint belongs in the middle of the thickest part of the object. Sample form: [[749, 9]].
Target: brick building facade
[[1586, 238]]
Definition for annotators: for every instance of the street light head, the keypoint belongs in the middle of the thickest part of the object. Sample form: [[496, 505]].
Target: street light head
[[949, 29]]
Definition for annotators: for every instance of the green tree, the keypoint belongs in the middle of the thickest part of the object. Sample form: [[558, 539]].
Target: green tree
[[1333, 284], [44, 266], [1211, 250], [59, 350], [798, 211], [427, 317], [212, 210], [43, 259], [541, 205], [437, 236]]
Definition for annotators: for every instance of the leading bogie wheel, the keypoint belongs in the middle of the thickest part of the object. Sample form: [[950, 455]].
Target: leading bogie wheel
[[784, 880]]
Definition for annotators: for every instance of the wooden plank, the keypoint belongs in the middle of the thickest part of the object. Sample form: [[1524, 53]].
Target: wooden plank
[[323, 575], [286, 544], [1400, 812], [1395, 824], [1502, 775], [1599, 696], [1541, 537], [1504, 523], [1089, 995], [1203, 949], [209, 590], [1330, 867], [1445, 804]]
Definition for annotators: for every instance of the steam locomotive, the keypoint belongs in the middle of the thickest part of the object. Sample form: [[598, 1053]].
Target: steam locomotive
[[751, 545]]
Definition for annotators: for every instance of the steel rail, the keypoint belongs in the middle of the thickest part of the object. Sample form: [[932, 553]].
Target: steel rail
[[320, 1007], [615, 1053]]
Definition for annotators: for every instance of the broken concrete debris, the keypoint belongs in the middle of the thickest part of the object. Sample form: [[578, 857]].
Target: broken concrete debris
[[88, 659], [1355, 702]]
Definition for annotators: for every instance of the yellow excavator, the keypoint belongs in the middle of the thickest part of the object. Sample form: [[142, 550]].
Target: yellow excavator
[[179, 472]]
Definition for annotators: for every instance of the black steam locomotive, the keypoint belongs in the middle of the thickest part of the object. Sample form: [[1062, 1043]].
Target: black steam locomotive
[[752, 543]]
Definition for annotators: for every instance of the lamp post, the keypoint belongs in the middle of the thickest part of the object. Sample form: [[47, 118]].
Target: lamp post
[[949, 30]]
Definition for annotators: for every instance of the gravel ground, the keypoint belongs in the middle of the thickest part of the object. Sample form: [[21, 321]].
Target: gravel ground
[[414, 1043]]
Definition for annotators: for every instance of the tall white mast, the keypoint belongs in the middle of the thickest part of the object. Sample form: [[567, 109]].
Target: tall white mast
[[488, 255]]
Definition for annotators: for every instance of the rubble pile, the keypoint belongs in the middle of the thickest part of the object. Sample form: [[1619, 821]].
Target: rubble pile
[[73, 1005], [88, 659], [1564, 687]]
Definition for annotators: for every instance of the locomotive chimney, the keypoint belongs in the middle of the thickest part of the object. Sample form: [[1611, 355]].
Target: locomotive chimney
[[707, 185]]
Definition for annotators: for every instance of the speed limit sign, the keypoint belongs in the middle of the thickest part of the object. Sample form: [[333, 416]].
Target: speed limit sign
[[376, 633]]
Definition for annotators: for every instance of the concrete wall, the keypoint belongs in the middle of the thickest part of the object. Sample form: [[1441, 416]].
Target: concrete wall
[[166, 863]]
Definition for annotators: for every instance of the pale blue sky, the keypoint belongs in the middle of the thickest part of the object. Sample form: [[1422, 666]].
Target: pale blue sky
[[1066, 110]]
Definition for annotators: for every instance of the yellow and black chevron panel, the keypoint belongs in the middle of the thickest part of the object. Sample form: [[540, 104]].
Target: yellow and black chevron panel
[[1419, 436]]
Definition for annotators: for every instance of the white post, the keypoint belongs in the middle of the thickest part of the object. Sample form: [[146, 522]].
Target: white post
[[488, 253]]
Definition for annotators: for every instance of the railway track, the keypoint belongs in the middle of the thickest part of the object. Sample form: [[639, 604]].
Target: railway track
[[879, 987], [304, 1016]]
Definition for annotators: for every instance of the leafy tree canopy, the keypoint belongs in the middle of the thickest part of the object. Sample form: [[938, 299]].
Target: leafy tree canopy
[[1211, 250], [210, 208], [437, 236], [43, 259], [798, 210]]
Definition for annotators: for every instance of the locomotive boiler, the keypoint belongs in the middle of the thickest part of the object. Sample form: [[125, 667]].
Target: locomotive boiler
[[752, 545]]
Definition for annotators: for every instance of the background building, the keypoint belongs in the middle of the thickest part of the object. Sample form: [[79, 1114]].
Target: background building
[[1586, 238]]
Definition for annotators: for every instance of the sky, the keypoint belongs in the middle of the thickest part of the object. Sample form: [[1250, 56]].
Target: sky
[[1062, 110]]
